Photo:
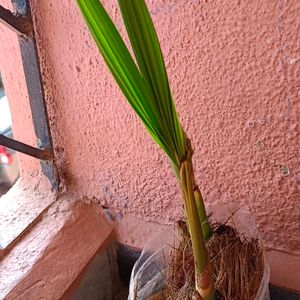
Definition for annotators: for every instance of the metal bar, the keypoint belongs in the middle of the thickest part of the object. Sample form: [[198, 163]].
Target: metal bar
[[17, 23], [43, 154], [31, 66]]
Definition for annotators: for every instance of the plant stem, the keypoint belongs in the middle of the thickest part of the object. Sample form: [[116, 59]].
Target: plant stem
[[203, 270], [206, 229]]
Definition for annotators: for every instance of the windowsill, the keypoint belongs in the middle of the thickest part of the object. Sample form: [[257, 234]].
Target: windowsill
[[20, 207], [49, 242]]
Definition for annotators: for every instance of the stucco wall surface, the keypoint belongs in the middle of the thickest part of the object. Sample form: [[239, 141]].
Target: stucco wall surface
[[234, 69]]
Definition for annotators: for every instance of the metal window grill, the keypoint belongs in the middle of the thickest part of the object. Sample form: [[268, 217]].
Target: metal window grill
[[20, 21]]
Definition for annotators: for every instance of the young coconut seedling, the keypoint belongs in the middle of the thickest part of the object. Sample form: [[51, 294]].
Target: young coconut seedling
[[146, 88]]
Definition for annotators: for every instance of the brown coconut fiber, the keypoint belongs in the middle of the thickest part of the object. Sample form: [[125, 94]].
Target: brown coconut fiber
[[238, 267]]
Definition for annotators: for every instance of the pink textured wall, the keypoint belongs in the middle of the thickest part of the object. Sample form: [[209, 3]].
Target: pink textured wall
[[234, 70]]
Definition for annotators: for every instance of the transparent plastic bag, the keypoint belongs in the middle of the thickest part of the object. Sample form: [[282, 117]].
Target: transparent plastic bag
[[147, 277], [263, 292]]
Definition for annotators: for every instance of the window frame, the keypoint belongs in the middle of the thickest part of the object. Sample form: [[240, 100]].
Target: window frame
[[20, 21]]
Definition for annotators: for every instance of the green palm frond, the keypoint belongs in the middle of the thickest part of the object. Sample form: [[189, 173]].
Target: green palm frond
[[144, 85]]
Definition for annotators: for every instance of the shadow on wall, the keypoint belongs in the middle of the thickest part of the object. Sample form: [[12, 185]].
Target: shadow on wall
[[282, 294]]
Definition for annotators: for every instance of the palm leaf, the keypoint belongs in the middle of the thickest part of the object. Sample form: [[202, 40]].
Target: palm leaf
[[145, 86], [147, 51]]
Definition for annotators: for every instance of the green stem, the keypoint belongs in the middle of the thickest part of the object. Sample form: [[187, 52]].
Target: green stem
[[203, 271], [206, 229]]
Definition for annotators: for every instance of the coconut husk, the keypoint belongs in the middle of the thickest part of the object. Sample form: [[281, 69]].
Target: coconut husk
[[238, 266]]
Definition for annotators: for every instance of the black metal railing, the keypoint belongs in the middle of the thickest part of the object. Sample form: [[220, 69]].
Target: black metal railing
[[20, 21]]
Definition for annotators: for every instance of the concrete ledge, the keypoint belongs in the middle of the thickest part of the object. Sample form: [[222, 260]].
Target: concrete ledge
[[53, 254], [20, 207], [284, 269]]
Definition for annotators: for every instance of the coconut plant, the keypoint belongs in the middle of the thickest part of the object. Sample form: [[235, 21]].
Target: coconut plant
[[144, 83], [146, 87]]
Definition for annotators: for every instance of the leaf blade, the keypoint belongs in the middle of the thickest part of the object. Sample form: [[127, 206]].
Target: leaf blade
[[148, 54]]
